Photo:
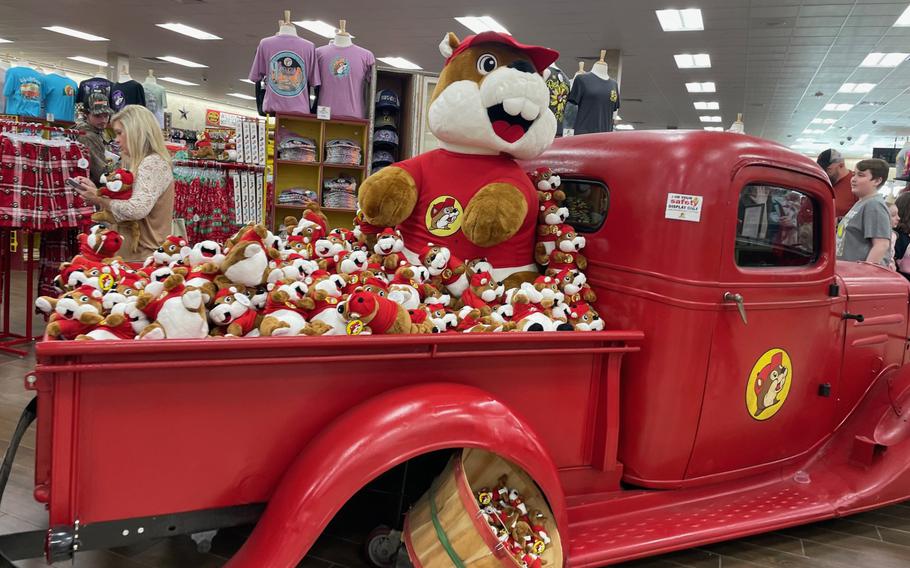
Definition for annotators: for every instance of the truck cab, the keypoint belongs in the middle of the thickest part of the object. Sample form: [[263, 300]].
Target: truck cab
[[721, 248]]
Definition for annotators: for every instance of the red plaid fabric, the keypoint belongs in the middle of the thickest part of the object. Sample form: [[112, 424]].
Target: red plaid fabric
[[33, 191], [206, 204]]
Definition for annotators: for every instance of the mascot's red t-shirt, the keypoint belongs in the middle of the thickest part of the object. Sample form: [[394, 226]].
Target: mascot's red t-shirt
[[446, 182]]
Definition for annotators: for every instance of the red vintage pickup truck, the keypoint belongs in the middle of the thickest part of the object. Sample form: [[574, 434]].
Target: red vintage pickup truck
[[749, 382]]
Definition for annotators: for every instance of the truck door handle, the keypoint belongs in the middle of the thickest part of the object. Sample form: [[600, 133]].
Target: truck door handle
[[738, 299]]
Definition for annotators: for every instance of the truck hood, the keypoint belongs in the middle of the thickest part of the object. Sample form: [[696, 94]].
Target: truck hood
[[859, 280]]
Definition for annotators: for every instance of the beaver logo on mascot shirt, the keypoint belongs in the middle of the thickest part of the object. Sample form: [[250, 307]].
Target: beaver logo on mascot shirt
[[489, 108]]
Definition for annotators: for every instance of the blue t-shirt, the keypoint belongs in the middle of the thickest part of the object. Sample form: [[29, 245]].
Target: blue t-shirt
[[24, 89], [60, 97]]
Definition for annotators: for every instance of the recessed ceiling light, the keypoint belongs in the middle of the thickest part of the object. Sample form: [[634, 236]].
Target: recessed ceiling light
[[714, 128], [177, 81], [701, 87], [904, 19], [318, 27], [838, 107], [75, 33], [624, 127], [5, 40], [824, 120], [188, 31], [241, 96], [89, 60], [680, 20], [184, 62], [710, 118], [399, 62], [884, 59], [856, 87], [482, 24], [706, 105], [248, 81], [690, 61]]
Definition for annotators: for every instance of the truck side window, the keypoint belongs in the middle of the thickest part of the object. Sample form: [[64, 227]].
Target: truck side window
[[775, 227], [587, 202]]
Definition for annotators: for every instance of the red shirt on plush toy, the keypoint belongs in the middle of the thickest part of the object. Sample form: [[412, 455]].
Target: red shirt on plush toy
[[489, 107]]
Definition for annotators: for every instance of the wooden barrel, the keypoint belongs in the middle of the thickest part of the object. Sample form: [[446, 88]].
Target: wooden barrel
[[445, 527]]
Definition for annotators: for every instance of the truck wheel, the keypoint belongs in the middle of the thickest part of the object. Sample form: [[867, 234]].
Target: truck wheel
[[381, 547]]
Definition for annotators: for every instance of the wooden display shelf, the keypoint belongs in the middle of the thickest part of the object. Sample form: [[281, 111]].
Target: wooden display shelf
[[314, 174]]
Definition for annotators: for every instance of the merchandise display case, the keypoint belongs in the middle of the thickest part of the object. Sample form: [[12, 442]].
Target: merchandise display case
[[308, 175]]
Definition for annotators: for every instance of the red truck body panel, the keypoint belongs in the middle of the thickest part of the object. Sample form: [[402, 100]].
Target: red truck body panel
[[661, 403]]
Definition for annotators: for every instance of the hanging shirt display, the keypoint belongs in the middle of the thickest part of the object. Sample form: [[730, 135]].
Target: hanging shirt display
[[127, 93], [155, 100], [287, 66], [597, 100], [344, 72], [23, 89], [93, 85], [60, 97], [558, 84]]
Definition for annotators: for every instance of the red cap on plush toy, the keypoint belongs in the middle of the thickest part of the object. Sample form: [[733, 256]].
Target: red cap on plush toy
[[542, 57], [90, 291], [376, 283], [314, 217], [481, 279], [252, 236], [175, 240], [133, 280]]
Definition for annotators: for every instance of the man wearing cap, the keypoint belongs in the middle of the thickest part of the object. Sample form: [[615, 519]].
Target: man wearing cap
[[97, 116], [833, 163]]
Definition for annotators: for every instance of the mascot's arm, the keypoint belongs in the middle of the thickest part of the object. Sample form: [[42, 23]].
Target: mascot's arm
[[494, 214], [388, 197]]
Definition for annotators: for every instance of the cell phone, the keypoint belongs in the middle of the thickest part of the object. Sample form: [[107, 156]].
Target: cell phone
[[73, 183]]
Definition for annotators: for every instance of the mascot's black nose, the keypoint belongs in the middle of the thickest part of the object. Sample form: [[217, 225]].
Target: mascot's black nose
[[523, 66], [535, 327], [565, 327]]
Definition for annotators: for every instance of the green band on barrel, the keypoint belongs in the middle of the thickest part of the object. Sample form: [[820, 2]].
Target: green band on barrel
[[440, 534]]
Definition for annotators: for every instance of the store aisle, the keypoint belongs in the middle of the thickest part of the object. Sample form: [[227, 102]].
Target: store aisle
[[879, 539]]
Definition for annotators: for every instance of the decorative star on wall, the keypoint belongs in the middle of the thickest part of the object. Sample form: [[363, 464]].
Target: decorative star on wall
[[184, 114]]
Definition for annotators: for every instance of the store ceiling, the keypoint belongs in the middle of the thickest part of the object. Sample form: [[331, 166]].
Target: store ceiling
[[777, 61]]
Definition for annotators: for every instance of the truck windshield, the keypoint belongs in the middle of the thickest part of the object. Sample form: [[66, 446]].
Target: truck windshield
[[588, 202], [775, 227]]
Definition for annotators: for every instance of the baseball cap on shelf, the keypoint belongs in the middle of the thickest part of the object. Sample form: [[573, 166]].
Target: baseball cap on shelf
[[828, 157], [383, 157], [385, 119], [387, 99], [98, 104], [385, 138]]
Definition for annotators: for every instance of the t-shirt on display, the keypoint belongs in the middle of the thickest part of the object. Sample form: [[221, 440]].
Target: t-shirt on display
[[60, 97], [24, 90], [127, 93], [93, 85], [155, 100], [287, 65], [344, 72], [597, 100]]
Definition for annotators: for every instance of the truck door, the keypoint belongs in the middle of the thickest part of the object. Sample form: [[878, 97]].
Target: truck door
[[778, 335]]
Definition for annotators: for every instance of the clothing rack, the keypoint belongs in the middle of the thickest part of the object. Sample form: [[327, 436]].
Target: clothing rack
[[17, 125], [9, 339], [219, 165]]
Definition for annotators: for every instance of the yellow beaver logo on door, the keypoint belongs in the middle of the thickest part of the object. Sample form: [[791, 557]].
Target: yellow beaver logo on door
[[769, 384]]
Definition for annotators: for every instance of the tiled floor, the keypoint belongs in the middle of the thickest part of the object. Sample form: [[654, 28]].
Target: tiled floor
[[879, 539]]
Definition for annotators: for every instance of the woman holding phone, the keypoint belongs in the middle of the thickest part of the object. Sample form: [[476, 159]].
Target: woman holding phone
[[152, 203]]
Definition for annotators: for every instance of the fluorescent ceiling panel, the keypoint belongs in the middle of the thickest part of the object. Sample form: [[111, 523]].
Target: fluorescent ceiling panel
[[400, 63], [188, 31], [177, 81], [75, 33], [184, 62], [693, 61], [318, 27], [706, 105], [707, 87], [680, 20]]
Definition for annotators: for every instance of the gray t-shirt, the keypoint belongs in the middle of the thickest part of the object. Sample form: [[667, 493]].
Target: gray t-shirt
[[868, 219], [597, 100], [155, 100]]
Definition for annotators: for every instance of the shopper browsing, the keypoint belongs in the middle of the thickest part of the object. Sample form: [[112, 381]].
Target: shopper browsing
[[97, 116], [152, 202], [864, 234], [833, 163]]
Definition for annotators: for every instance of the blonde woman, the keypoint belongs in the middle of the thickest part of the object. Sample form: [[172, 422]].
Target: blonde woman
[[152, 203]]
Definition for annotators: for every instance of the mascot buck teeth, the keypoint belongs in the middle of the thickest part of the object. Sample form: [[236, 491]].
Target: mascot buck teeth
[[489, 108]]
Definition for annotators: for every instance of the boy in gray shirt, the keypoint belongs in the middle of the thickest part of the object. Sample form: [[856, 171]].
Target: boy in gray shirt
[[864, 234]]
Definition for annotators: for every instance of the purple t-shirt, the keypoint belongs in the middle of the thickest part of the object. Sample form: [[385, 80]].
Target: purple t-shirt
[[287, 66], [344, 72]]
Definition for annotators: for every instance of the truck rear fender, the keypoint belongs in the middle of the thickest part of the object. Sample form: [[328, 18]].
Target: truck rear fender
[[375, 436]]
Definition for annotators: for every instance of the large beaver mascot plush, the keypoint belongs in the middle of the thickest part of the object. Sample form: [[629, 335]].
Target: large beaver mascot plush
[[489, 108]]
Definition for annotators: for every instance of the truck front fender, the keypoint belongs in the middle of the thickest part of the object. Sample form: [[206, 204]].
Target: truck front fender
[[373, 437]]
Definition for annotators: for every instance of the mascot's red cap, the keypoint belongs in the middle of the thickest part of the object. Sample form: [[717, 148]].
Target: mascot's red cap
[[450, 202], [480, 279], [133, 280], [175, 240], [541, 57], [314, 217], [545, 280], [390, 232], [90, 291], [377, 283]]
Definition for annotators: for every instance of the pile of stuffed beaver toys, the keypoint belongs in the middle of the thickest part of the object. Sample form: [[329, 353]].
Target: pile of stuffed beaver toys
[[316, 281], [522, 533]]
